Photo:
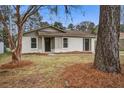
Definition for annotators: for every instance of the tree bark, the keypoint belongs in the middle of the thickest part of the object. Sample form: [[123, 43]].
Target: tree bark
[[21, 19], [16, 49], [9, 37], [107, 48], [16, 54]]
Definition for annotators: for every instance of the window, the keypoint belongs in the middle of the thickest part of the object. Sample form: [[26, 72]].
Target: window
[[33, 43], [87, 44], [65, 42]]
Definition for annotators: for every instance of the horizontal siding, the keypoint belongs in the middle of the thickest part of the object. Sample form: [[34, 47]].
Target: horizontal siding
[[1, 47], [74, 44], [121, 43], [26, 45]]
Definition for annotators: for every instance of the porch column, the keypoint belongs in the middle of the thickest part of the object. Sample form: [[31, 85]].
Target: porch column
[[43, 45]]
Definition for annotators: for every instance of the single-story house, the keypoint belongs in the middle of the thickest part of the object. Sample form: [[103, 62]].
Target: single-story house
[[1, 45], [53, 40]]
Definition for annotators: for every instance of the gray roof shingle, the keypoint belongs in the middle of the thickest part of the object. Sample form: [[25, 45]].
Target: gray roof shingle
[[66, 34], [61, 33]]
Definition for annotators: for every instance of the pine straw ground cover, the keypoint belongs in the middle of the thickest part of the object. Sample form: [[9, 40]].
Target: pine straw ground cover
[[59, 70], [11, 65], [84, 75]]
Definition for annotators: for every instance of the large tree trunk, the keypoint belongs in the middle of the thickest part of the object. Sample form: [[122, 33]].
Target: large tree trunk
[[16, 50], [16, 54], [107, 48]]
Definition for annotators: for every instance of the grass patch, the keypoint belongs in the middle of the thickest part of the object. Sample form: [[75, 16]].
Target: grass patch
[[45, 71]]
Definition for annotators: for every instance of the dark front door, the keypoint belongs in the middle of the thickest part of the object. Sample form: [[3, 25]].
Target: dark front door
[[87, 45], [47, 45]]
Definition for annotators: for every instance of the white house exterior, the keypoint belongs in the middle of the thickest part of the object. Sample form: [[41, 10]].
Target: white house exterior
[[54, 40], [1, 46]]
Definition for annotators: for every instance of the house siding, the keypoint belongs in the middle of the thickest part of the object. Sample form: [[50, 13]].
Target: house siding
[[121, 43], [58, 43], [40, 44], [26, 45], [31, 34], [74, 44], [1, 47], [93, 45]]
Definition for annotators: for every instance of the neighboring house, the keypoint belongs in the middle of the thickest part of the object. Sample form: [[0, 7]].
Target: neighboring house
[[1, 45], [54, 40]]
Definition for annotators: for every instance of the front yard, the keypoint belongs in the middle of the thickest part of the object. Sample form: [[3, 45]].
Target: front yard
[[48, 71]]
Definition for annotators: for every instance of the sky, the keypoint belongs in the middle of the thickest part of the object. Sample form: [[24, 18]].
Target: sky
[[84, 13]]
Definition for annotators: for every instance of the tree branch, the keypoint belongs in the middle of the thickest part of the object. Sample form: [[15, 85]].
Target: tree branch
[[31, 10], [18, 14], [9, 37]]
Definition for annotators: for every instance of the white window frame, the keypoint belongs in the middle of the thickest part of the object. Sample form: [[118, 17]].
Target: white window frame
[[36, 42], [63, 43]]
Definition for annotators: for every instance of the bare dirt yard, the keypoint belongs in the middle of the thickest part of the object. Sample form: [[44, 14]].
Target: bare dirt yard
[[59, 70]]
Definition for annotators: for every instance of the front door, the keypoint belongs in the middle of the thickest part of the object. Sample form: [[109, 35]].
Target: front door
[[47, 45]]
